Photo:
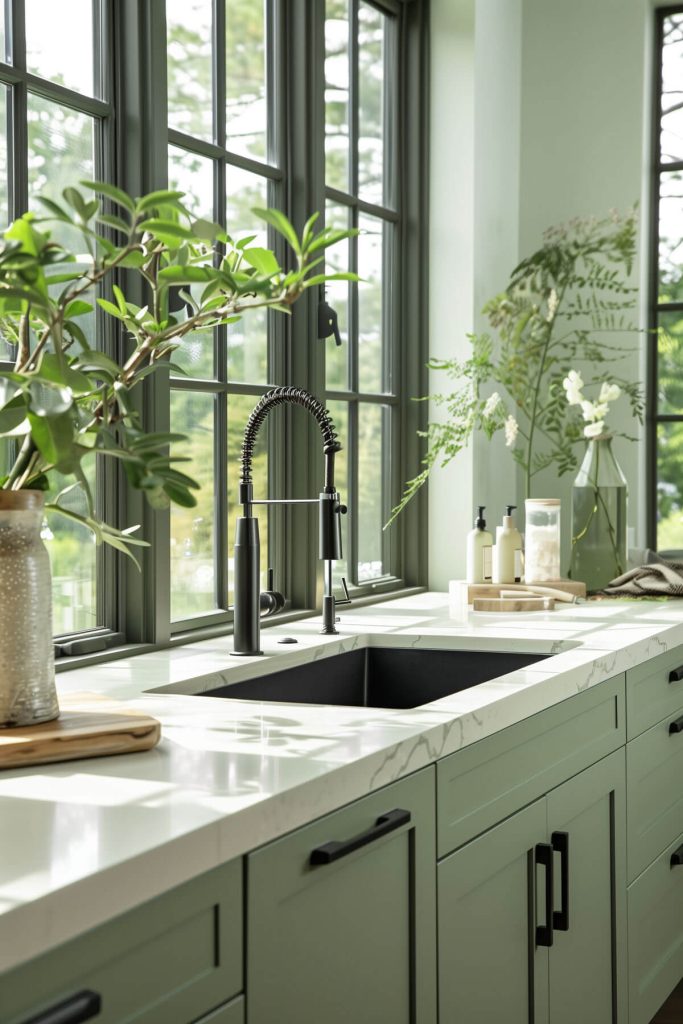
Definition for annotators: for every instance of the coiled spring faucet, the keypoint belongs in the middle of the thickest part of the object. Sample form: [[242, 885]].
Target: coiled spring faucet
[[247, 554]]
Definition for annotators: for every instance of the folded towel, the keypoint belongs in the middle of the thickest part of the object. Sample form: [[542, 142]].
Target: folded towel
[[663, 579]]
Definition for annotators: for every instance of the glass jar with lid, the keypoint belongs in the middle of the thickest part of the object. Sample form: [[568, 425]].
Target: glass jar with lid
[[542, 540]]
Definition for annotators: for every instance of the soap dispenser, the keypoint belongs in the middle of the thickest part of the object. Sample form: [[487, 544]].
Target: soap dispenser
[[479, 548], [507, 551]]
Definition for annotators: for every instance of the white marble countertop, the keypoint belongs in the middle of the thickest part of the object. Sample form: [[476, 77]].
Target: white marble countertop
[[85, 840]]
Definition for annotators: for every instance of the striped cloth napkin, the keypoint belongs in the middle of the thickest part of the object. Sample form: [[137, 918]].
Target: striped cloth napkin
[[663, 579]]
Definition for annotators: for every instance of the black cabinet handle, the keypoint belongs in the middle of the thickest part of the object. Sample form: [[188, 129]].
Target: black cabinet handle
[[676, 674], [676, 726], [677, 857], [83, 1006], [560, 844], [341, 847], [544, 857]]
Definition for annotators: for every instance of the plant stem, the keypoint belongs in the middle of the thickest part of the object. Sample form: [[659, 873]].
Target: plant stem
[[537, 389]]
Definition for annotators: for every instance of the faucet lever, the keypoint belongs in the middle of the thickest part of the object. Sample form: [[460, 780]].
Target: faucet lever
[[347, 598], [270, 600]]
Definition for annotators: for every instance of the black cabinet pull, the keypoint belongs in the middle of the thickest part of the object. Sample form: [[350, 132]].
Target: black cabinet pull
[[676, 726], [676, 674], [341, 847], [560, 844], [83, 1006], [677, 857], [544, 857]]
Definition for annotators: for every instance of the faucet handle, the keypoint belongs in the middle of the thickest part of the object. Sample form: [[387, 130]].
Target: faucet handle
[[270, 601], [347, 597]]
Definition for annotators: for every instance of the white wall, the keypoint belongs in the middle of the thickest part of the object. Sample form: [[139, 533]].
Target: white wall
[[537, 117]]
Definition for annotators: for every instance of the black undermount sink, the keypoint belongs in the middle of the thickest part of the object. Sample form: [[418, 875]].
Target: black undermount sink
[[378, 677]]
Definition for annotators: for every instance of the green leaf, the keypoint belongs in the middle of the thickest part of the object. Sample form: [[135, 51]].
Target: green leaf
[[54, 438], [54, 208], [174, 275], [110, 308], [77, 307], [330, 236], [158, 198], [56, 372], [120, 298], [114, 222], [117, 195], [94, 360], [164, 228], [322, 278], [75, 200], [180, 495], [262, 260], [13, 414], [277, 220]]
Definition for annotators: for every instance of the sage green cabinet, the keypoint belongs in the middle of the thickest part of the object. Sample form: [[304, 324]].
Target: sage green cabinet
[[351, 939], [492, 903]]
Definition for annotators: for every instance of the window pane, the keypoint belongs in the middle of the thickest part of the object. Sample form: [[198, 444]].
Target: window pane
[[671, 237], [670, 486], [371, 85], [59, 46], [670, 363], [337, 94], [193, 175], [370, 492], [60, 153], [4, 200], [247, 339], [193, 578], [339, 411], [671, 140], [189, 26], [72, 553], [337, 295], [371, 243], [239, 410], [245, 58]]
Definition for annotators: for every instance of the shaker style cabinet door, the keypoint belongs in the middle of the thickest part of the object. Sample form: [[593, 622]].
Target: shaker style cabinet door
[[490, 968], [587, 961], [341, 915]]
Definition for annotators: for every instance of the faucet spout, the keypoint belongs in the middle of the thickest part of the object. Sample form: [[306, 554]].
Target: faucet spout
[[247, 545]]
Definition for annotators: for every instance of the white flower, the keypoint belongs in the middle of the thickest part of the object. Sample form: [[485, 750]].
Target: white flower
[[492, 403], [511, 431], [609, 392], [594, 429], [573, 384], [553, 303], [594, 410]]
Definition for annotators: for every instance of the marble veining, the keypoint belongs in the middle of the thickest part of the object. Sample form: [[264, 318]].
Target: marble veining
[[83, 841]]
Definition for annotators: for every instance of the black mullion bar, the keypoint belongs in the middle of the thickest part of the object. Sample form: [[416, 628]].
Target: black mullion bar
[[215, 152], [652, 468], [673, 165], [667, 307], [372, 398], [353, 97], [215, 387], [665, 417], [67, 97], [220, 336], [338, 195], [17, 131]]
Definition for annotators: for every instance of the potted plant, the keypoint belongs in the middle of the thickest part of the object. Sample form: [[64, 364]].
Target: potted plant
[[68, 405]]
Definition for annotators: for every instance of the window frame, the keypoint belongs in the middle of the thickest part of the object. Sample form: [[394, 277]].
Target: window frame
[[135, 158], [654, 307]]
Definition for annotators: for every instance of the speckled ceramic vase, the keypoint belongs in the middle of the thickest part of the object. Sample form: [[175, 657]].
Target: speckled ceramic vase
[[27, 670]]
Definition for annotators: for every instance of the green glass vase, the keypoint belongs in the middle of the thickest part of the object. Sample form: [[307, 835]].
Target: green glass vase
[[599, 501]]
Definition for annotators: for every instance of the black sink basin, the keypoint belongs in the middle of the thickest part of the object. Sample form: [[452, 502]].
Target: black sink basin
[[378, 677]]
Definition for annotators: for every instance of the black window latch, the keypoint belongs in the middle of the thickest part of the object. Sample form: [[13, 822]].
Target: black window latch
[[328, 323]]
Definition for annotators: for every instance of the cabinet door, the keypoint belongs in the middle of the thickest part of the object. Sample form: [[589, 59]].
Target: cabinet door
[[489, 967], [352, 939], [587, 960]]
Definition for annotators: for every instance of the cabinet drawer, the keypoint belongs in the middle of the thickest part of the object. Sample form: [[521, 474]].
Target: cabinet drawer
[[172, 959], [479, 786], [347, 934], [655, 935], [654, 768], [653, 692]]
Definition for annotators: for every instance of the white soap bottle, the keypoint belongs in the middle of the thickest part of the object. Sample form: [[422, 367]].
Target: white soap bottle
[[507, 552], [479, 548]]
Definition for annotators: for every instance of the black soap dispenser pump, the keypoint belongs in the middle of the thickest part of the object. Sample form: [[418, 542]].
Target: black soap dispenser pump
[[479, 550]]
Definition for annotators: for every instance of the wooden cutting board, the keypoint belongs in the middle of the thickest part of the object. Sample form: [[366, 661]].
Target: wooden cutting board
[[493, 589], [87, 726]]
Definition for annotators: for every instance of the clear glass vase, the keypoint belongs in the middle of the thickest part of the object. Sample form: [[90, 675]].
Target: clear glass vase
[[599, 501], [27, 671]]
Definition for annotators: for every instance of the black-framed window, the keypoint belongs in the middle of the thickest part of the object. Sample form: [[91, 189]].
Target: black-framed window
[[228, 100], [665, 413], [56, 127]]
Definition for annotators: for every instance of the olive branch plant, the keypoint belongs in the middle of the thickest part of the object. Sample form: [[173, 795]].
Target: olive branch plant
[[67, 402], [562, 307]]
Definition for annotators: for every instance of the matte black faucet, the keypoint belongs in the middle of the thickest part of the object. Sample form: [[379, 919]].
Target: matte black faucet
[[249, 601]]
